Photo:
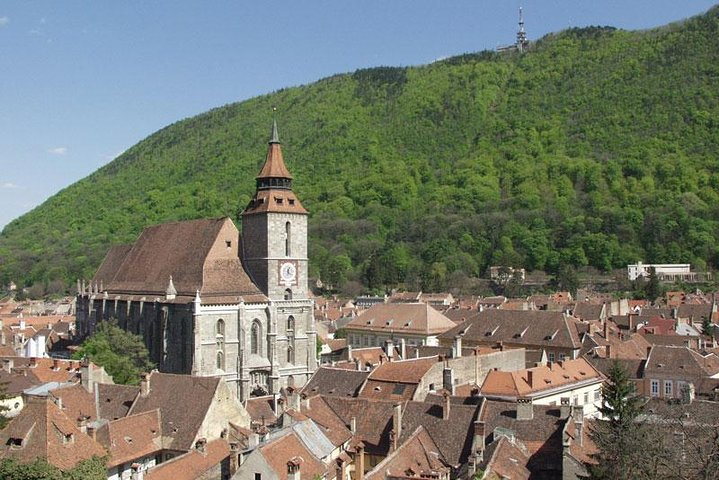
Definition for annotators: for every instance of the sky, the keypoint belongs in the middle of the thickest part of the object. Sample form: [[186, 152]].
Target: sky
[[80, 82]]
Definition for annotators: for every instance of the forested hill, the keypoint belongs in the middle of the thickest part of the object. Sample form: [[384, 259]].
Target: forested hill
[[596, 147]]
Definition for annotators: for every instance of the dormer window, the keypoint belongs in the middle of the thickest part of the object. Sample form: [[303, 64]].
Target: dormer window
[[291, 201], [14, 442], [279, 200]]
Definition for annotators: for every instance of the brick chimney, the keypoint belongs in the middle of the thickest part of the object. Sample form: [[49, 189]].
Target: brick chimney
[[525, 408], [86, 375], [389, 349], [293, 468], [565, 409], [92, 431], [359, 461], [448, 380], [55, 364], [350, 358], [446, 405], [457, 347], [234, 457], [201, 445], [144, 384], [578, 417], [397, 423], [606, 330]]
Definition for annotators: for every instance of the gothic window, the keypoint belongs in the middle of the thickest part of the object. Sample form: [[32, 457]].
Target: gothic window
[[288, 238], [220, 361], [221, 327], [290, 323], [288, 294], [290, 354], [255, 338]]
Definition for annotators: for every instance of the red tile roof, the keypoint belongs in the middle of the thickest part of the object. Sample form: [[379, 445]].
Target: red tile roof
[[191, 465]]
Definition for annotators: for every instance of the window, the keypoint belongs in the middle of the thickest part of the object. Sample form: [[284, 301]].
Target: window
[[586, 398], [258, 476], [668, 388], [228, 243], [398, 389], [597, 395], [288, 294], [562, 357], [290, 354], [220, 327], [290, 323], [551, 357], [655, 388], [288, 239], [220, 361], [576, 399], [255, 336]]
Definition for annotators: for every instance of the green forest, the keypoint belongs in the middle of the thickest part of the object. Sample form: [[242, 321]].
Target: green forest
[[597, 147]]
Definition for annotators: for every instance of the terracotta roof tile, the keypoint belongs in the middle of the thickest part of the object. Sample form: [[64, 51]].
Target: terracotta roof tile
[[535, 381], [46, 432], [278, 452], [335, 381], [115, 401], [76, 402], [133, 437], [418, 456], [183, 401], [191, 465], [416, 318], [506, 459]]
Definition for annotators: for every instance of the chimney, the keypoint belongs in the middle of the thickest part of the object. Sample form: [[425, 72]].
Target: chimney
[[86, 375], [606, 330], [58, 402], [33, 362], [632, 317], [144, 384], [358, 363], [350, 358], [403, 348], [22, 324], [293, 468], [397, 423], [82, 423], [530, 378], [234, 457], [137, 472], [359, 462], [649, 350], [448, 380], [478, 441], [353, 425], [275, 401], [8, 364], [525, 408], [578, 414], [200, 445], [608, 350], [92, 432], [457, 347], [445, 407], [389, 349], [565, 409]]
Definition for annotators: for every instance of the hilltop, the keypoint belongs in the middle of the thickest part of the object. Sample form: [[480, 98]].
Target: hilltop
[[597, 147]]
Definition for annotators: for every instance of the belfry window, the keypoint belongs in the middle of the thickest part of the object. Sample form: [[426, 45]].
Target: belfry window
[[288, 239], [220, 361], [288, 294]]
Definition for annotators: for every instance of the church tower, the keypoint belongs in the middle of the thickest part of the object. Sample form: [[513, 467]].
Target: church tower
[[274, 230]]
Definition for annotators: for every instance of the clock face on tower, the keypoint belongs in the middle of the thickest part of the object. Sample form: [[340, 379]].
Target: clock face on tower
[[288, 273]]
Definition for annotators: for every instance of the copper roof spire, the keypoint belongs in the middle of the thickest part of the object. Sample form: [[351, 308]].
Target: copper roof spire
[[274, 173]]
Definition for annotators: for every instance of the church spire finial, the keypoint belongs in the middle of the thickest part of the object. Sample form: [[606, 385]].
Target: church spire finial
[[275, 138]]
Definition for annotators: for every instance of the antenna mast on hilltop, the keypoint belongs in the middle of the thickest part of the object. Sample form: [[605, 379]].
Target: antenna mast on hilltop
[[522, 41]]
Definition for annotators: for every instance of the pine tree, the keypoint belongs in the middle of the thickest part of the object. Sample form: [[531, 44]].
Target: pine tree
[[620, 436]]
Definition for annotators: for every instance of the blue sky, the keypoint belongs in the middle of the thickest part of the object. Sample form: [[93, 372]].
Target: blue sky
[[80, 82]]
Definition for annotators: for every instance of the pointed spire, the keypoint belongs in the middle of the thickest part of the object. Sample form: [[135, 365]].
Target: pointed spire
[[275, 138], [274, 173]]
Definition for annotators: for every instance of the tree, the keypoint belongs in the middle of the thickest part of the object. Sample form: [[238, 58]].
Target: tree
[[620, 438], [653, 288], [91, 469], [123, 354]]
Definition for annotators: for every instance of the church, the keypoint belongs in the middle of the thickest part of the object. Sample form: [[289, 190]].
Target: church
[[210, 302]]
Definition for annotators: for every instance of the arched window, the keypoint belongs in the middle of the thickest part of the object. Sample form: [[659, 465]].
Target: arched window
[[255, 338], [288, 294], [221, 327], [220, 361], [290, 323], [288, 239], [290, 354]]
